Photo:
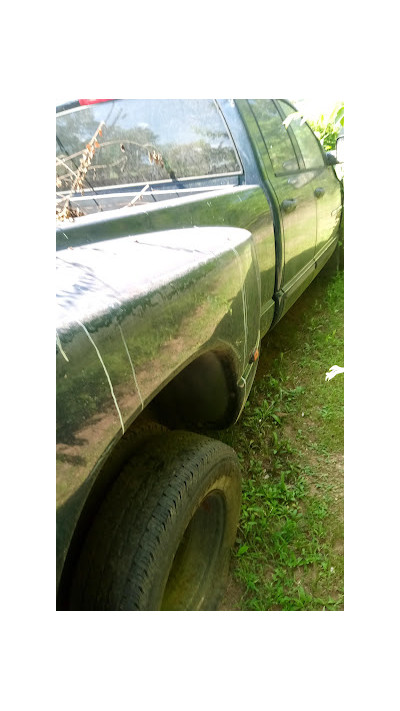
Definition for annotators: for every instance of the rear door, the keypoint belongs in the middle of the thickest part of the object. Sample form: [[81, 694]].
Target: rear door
[[294, 196], [321, 177]]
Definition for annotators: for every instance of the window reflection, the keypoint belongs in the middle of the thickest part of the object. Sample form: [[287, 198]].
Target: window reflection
[[305, 137], [275, 135], [145, 141]]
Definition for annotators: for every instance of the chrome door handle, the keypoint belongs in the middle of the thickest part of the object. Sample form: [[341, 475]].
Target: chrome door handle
[[289, 205], [319, 192]]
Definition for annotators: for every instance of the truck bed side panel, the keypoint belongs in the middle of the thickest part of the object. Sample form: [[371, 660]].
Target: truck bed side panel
[[126, 328]]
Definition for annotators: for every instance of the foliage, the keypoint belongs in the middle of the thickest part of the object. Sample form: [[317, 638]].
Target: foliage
[[327, 133], [327, 127]]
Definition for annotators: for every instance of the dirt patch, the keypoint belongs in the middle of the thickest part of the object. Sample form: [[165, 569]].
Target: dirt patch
[[233, 594]]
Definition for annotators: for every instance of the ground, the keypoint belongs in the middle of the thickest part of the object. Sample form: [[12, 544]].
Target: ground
[[289, 550]]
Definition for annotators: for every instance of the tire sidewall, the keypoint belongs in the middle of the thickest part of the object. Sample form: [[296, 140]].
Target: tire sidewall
[[223, 477]]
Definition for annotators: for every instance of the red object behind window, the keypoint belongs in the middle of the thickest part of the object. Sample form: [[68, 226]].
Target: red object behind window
[[85, 102]]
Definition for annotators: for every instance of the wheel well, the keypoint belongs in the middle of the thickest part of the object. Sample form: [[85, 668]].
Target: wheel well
[[203, 395]]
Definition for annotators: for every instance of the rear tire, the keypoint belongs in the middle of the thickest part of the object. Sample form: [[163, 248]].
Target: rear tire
[[162, 538]]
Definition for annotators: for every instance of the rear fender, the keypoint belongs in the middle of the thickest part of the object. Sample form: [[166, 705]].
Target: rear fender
[[176, 311]]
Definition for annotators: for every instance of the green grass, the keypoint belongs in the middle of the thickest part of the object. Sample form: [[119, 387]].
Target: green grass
[[289, 550]]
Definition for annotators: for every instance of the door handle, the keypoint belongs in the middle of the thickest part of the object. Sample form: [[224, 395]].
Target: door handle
[[319, 192], [289, 205]]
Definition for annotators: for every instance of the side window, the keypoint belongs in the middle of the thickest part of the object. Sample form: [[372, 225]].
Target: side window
[[275, 135], [305, 137], [145, 140]]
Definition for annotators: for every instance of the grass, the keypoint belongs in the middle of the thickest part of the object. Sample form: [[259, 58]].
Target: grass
[[289, 550]]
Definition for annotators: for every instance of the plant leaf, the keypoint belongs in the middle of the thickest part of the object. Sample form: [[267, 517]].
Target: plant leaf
[[340, 116], [242, 550]]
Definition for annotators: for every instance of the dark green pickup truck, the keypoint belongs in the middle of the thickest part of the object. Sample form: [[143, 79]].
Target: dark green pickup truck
[[186, 229]]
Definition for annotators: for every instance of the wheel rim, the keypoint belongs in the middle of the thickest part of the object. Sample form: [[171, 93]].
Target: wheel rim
[[191, 570]]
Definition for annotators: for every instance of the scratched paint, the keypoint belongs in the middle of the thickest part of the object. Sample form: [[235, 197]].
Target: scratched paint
[[107, 375], [61, 348], [244, 300], [133, 369]]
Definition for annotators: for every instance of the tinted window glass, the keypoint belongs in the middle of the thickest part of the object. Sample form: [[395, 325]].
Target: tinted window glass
[[275, 135], [145, 141], [305, 137]]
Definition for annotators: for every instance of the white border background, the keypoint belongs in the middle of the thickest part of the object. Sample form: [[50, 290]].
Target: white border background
[[214, 661]]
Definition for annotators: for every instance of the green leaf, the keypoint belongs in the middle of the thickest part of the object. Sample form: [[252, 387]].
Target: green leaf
[[340, 116], [335, 110], [242, 550]]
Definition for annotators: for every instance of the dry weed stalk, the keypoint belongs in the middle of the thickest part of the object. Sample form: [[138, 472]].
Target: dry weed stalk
[[66, 212]]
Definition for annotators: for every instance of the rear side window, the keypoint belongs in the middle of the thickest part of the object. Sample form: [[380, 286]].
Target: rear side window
[[305, 137], [275, 135], [145, 140]]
